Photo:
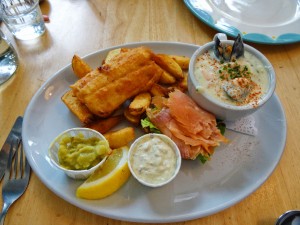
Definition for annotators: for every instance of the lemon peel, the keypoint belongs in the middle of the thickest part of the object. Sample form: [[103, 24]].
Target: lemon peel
[[107, 179]]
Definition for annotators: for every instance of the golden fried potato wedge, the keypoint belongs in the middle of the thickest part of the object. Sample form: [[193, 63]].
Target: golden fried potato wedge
[[104, 125], [131, 118], [183, 84], [166, 78], [140, 103], [80, 67], [183, 61], [158, 90], [169, 65], [78, 108], [111, 54], [120, 138]]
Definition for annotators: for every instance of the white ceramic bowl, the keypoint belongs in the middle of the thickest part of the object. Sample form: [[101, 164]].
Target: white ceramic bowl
[[219, 109], [54, 147], [173, 148]]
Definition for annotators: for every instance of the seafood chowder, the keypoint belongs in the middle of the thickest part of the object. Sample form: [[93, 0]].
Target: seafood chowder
[[237, 82]]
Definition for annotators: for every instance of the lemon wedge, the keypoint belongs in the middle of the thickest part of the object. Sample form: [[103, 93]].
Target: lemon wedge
[[108, 178]]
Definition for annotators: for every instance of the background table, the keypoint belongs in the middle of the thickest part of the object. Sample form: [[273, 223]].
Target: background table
[[82, 27]]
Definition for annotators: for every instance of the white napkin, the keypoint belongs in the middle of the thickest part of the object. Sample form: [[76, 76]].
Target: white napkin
[[245, 125]]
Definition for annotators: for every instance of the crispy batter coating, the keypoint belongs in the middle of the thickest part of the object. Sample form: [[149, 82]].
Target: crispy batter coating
[[107, 99], [128, 73]]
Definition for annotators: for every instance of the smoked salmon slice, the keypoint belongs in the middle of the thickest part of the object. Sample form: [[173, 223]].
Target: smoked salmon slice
[[193, 129]]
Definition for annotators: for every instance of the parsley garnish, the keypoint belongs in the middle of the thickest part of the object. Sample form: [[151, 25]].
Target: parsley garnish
[[234, 70]]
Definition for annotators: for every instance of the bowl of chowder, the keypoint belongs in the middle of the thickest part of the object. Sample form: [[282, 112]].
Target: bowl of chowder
[[230, 89]]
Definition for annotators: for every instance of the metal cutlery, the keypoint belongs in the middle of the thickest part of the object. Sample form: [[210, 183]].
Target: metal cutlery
[[16, 178], [9, 144]]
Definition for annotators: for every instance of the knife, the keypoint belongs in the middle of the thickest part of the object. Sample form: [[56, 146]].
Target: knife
[[11, 143]]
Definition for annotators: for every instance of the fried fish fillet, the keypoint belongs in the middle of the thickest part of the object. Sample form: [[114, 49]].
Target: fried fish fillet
[[81, 83], [128, 73], [118, 67], [106, 99]]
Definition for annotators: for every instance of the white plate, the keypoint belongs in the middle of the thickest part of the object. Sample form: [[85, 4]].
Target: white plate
[[235, 171], [259, 21]]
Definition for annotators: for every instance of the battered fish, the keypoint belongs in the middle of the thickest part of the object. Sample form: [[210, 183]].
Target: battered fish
[[130, 72], [104, 101], [118, 67]]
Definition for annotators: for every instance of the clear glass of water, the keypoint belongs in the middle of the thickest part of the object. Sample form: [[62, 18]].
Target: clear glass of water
[[8, 59], [23, 18]]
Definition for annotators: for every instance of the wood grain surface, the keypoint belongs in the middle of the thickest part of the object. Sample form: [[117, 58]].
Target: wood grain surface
[[81, 27]]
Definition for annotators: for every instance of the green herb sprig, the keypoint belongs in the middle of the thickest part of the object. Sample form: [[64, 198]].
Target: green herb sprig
[[234, 70]]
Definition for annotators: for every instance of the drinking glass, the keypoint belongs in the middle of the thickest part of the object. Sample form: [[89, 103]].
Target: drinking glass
[[8, 59], [23, 18]]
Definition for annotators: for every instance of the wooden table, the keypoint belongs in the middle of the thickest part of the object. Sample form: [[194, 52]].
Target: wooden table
[[83, 27]]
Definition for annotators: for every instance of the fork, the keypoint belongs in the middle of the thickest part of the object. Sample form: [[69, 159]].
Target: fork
[[15, 180]]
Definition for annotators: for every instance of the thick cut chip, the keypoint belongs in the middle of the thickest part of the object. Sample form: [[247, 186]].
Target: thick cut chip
[[169, 64], [159, 90], [80, 67], [167, 78], [111, 54], [104, 125], [182, 85], [131, 118], [120, 138], [140, 103], [182, 61], [76, 107]]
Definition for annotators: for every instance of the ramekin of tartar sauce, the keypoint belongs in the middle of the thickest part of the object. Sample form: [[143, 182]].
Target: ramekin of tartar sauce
[[154, 160], [209, 79]]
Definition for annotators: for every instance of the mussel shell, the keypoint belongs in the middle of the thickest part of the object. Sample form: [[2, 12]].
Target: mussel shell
[[228, 52], [218, 49], [237, 48]]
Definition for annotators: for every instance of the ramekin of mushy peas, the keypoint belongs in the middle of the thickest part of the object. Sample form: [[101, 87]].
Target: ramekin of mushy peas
[[233, 88], [79, 152], [154, 160]]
